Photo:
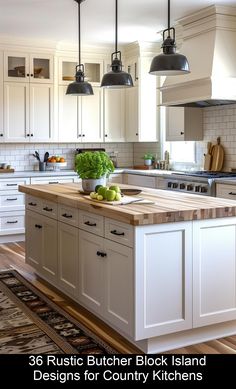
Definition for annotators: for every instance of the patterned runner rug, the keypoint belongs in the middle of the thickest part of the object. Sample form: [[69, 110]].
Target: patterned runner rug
[[30, 323]]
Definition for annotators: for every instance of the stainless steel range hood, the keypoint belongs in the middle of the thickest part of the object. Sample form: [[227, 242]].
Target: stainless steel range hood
[[209, 43]]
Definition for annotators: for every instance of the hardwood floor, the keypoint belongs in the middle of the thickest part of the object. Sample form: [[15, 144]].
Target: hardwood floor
[[12, 256]]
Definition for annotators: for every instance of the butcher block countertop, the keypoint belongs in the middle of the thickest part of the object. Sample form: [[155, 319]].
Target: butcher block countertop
[[169, 206]]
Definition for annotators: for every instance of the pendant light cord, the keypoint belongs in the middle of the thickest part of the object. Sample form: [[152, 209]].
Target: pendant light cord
[[79, 39], [116, 29], [168, 14]]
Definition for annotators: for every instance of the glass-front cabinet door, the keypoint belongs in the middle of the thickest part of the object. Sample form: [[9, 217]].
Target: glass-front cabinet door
[[20, 67], [92, 70]]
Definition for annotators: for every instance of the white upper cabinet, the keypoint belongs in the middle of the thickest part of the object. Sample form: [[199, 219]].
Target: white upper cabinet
[[80, 118], [21, 67], [114, 115], [142, 112], [184, 124], [28, 112]]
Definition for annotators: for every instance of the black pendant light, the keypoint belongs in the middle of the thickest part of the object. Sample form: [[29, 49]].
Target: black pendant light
[[79, 87], [169, 63], [116, 78]]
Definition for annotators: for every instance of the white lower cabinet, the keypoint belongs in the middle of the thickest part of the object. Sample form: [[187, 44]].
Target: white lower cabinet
[[106, 279], [68, 258], [163, 279], [137, 179], [41, 244], [214, 271]]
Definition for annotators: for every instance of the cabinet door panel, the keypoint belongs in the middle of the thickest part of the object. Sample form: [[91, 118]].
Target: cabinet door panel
[[41, 112], [16, 112], [91, 124], [49, 248], [131, 112], [68, 116], [33, 239], [119, 286], [214, 269], [114, 126], [68, 257], [91, 271], [163, 279]]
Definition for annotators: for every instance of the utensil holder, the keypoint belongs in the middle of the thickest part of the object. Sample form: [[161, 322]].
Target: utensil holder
[[42, 166]]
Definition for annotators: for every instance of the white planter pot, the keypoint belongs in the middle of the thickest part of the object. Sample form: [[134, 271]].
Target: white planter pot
[[89, 184], [147, 162]]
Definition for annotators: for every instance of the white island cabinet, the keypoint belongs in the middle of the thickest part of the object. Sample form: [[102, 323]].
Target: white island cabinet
[[162, 276]]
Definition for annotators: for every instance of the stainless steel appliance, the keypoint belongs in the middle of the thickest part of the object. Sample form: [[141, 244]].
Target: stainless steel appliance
[[201, 183]]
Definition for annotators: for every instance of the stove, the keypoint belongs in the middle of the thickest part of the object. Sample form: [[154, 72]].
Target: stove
[[200, 182]]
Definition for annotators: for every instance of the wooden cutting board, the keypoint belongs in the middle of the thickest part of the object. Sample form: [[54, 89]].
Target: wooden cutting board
[[124, 200], [208, 157], [217, 157]]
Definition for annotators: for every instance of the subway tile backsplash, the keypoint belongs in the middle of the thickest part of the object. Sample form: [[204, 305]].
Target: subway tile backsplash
[[19, 155], [219, 121]]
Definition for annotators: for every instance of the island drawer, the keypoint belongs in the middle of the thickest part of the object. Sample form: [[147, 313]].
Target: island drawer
[[91, 223], [49, 208], [33, 203], [226, 191], [68, 215], [119, 232]]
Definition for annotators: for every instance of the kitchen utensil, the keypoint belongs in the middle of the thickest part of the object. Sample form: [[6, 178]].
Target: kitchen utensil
[[208, 157], [217, 157], [46, 156], [37, 156]]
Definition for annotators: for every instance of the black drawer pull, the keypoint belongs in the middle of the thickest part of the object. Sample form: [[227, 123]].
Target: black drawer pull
[[53, 182], [47, 209], [33, 204], [67, 216], [12, 184], [13, 222], [232, 193], [12, 199], [101, 254], [38, 226], [90, 224], [114, 232]]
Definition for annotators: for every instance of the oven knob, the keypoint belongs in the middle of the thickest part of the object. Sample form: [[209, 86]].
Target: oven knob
[[175, 185], [169, 184], [189, 187], [197, 188], [182, 186], [203, 189]]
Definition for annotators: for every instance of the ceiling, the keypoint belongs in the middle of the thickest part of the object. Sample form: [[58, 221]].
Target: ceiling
[[56, 20]]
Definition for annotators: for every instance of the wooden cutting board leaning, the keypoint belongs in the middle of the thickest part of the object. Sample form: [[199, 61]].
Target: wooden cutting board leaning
[[217, 157], [208, 157]]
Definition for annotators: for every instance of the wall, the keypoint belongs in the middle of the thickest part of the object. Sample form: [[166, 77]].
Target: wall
[[19, 155], [146, 147], [219, 121]]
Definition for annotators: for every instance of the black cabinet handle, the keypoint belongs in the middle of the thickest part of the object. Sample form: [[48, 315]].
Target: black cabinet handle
[[47, 209], [28, 135], [1, 134], [232, 193], [83, 135], [33, 204], [88, 223], [12, 222], [31, 134], [11, 184], [114, 232], [136, 133], [53, 182], [31, 75], [38, 226], [67, 216], [106, 135], [27, 74], [12, 199], [181, 132], [101, 254]]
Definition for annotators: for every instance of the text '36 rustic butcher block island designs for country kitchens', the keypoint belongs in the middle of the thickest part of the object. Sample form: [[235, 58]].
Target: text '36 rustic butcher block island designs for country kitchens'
[[162, 274]]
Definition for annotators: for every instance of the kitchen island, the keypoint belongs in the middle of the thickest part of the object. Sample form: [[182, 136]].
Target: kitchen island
[[161, 274]]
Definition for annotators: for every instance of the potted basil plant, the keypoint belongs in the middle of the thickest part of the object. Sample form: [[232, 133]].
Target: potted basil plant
[[148, 159], [93, 168]]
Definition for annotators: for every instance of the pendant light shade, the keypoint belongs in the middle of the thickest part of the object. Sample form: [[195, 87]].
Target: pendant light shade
[[79, 87], [116, 78], [169, 63]]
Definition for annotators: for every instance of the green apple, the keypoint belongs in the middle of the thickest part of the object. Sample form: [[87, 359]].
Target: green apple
[[93, 195], [110, 195], [115, 188], [102, 191], [97, 187], [118, 197], [99, 197]]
